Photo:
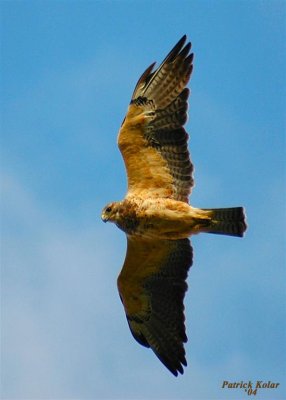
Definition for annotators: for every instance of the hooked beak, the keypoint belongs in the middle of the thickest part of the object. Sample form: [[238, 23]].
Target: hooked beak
[[104, 219]]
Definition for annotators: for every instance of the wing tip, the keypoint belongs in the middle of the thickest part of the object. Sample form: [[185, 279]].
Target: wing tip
[[180, 50], [178, 369]]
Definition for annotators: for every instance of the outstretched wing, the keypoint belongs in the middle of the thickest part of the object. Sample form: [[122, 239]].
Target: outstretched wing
[[152, 286], [152, 139]]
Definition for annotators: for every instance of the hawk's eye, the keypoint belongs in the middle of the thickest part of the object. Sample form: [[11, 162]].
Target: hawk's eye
[[108, 209]]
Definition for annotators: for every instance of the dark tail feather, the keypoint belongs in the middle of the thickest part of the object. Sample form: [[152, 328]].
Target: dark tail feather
[[227, 221]]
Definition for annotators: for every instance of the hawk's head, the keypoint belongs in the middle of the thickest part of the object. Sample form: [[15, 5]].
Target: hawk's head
[[110, 212]]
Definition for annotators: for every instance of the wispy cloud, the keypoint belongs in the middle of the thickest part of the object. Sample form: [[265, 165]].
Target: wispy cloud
[[58, 288], [69, 73], [64, 333]]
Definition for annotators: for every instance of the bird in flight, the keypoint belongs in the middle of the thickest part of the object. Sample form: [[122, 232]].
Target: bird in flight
[[155, 213]]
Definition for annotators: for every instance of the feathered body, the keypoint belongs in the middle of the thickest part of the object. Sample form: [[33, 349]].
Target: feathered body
[[163, 218], [155, 214]]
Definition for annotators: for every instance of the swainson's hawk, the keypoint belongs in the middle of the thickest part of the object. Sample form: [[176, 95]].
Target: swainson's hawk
[[155, 214]]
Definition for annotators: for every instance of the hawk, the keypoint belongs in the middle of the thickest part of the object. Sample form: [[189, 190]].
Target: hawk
[[155, 214]]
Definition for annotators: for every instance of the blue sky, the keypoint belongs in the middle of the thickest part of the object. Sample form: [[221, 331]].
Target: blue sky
[[68, 71]]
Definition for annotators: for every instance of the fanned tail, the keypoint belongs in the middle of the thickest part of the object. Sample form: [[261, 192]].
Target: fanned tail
[[227, 221]]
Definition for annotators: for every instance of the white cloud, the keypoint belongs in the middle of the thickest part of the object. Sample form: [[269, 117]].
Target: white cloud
[[58, 289], [64, 333]]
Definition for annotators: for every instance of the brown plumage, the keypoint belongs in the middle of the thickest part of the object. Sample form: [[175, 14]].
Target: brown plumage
[[155, 214]]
